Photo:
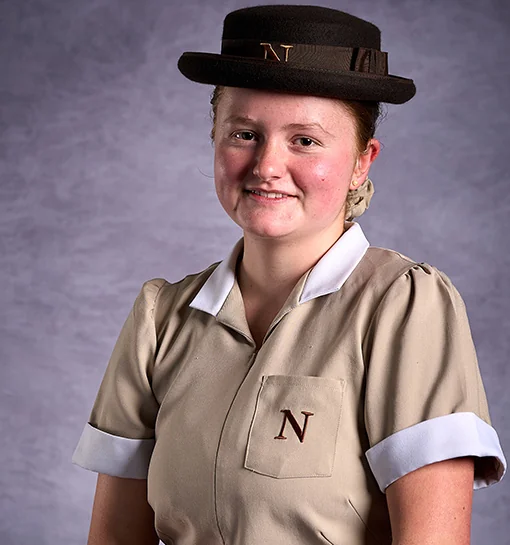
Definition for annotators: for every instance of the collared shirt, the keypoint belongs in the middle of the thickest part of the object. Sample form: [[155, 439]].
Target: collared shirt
[[367, 373]]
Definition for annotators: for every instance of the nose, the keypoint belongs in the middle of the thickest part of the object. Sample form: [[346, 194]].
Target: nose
[[269, 161]]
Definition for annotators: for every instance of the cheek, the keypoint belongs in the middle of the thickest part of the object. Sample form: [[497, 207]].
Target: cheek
[[331, 178], [329, 199], [339, 164], [230, 167]]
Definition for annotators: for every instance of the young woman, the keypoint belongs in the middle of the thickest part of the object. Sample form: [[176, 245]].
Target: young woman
[[309, 389]]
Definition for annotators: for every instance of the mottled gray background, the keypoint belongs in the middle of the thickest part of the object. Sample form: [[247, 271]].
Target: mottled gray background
[[105, 173]]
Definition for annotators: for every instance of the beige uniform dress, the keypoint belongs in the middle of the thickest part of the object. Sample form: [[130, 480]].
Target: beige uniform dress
[[367, 373]]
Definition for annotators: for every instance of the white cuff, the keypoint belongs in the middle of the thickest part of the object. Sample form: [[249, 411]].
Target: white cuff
[[435, 440], [117, 456]]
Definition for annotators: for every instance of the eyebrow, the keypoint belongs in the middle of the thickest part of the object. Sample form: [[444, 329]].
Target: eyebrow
[[239, 119], [295, 126], [307, 126]]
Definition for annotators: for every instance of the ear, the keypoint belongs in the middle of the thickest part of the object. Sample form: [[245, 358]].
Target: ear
[[364, 162]]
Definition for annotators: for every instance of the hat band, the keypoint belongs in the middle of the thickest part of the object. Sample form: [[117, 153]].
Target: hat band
[[345, 59]]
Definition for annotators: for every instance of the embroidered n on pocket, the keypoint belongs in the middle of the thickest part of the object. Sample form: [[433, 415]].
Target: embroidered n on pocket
[[295, 427]]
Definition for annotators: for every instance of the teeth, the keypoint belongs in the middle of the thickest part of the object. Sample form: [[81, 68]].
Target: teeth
[[268, 195]]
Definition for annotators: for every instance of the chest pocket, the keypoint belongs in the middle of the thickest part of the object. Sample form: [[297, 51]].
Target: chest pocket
[[295, 426]]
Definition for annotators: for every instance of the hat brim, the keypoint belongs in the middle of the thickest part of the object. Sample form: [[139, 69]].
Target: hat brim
[[231, 71]]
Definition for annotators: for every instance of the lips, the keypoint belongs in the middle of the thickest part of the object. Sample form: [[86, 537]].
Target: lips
[[268, 194]]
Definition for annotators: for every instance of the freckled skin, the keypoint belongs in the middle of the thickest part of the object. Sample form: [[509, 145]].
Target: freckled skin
[[302, 146]]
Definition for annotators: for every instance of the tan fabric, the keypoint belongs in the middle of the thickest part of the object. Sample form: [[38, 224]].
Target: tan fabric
[[389, 350]]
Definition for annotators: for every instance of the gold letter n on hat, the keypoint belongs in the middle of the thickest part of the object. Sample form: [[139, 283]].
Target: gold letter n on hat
[[270, 53]]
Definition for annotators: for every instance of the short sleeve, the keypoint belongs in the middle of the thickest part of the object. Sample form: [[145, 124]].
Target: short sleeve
[[425, 400], [119, 437]]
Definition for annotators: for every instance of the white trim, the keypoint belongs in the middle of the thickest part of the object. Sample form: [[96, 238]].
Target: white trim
[[328, 275], [442, 438], [214, 292], [117, 456], [336, 265]]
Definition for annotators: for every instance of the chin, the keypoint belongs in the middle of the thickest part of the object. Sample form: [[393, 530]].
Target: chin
[[273, 232], [261, 229], [264, 227]]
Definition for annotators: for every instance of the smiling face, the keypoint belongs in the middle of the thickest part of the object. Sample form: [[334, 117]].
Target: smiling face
[[284, 163]]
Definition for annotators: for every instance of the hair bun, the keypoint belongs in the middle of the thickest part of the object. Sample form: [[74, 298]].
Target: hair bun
[[358, 200]]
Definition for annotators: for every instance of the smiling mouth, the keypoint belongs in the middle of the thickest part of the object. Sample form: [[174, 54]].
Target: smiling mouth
[[268, 194]]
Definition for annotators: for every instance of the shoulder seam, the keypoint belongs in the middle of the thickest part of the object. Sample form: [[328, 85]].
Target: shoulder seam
[[398, 254], [154, 303]]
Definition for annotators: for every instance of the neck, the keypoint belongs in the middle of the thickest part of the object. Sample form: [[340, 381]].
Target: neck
[[271, 268]]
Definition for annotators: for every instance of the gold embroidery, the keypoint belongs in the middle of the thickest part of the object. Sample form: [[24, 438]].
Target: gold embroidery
[[293, 422]]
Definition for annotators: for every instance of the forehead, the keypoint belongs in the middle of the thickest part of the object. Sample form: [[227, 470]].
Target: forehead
[[274, 108]]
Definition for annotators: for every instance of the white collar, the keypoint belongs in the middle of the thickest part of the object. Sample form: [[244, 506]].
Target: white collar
[[328, 275]]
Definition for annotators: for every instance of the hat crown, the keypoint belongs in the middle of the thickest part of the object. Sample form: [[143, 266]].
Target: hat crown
[[301, 24], [309, 50]]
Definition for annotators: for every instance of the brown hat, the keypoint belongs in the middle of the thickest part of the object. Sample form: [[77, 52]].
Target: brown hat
[[300, 49]]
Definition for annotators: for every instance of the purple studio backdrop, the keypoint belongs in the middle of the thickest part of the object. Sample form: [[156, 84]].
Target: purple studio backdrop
[[106, 181]]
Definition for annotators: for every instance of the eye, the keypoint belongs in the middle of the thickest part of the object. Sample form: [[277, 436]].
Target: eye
[[244, 135], [306, 142]]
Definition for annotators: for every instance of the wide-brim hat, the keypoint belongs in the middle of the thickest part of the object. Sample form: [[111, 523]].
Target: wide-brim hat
[[308, 50]]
